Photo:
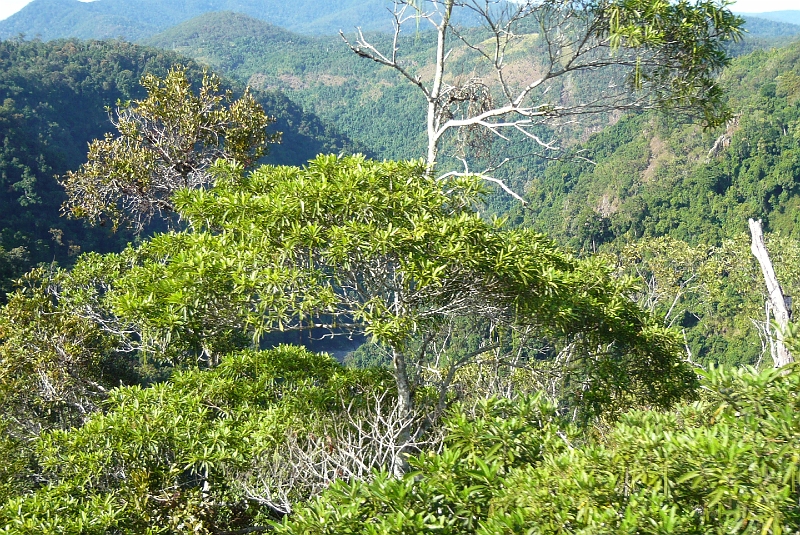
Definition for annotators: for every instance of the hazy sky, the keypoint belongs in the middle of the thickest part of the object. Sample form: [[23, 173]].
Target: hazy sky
[[9, 7]]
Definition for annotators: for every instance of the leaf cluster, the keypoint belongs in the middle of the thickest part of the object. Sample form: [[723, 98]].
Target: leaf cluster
[[166, 141], [175, 457], [725, 464]]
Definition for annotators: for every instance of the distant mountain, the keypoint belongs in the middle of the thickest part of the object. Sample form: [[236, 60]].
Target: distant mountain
[[789, 16], [756, 26], [137, 19], [134, 20]]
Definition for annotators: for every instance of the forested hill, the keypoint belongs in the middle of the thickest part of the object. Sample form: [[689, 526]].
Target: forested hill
[[52, 100], [764, 27], [652, 176], [370, 104], [787, 16], [138, 19]]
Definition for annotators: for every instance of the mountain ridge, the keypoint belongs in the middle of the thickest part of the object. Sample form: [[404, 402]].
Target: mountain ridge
[[790, 16], [138, 19], [135, 20]]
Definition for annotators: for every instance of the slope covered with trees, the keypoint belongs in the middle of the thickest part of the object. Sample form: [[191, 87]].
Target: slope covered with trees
[[786, 16], [370, 102], [53, 97], [366, 102], [134, 20], [652, 176], [670, 203], [764, 27]]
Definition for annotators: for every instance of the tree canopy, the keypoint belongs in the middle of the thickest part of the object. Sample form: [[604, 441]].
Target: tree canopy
[[166, 141], [347, 245]]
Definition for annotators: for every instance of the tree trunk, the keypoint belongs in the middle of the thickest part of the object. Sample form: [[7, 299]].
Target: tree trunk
[[776, 298], [434, 106], [405, 408]]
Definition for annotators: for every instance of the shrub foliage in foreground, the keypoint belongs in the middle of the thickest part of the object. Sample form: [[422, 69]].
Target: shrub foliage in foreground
[[184, 456], [727, 464]]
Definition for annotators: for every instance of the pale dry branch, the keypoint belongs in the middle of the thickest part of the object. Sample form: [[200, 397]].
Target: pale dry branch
[[364, 439]]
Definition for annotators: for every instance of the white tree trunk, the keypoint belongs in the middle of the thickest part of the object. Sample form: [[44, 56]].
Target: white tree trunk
[[776, 297]]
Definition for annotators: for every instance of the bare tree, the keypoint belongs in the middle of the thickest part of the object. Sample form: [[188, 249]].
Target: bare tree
[[351, 447], [776, 300], [640, 55]]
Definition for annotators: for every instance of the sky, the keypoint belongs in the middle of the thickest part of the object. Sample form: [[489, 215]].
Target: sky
[[9, 7]]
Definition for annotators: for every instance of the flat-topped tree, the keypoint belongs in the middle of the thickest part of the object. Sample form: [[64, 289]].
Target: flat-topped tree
[[349, 245], [166, 141], [644, 54]]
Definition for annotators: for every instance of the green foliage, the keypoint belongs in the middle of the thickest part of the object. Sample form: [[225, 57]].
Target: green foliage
[[378, 248], [59, 354], [176, 457], [715, 294], [726, 464], [369, 104], [52, 361], [689, 36], [657, 176], [166, 141], [447, 492], [52, 103], [374, 107]]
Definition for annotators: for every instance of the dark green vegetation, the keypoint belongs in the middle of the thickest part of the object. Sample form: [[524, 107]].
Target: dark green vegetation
[[186, 456], [655, 176], [53, 97], [369, 103], [726, 464], [346, 244], [208, 451]]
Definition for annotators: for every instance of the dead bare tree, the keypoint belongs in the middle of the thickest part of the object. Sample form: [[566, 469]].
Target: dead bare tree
[[776, 298], [351, 447], [652, 55]]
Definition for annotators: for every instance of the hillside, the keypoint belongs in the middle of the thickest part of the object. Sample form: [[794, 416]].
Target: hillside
[[787, 16], [53, 98], [650, 180], [652, 176], [134, 20], [370, 103], [756, 26]]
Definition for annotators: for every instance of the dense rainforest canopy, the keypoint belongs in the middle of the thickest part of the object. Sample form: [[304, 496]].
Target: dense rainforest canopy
[[53, 98]]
